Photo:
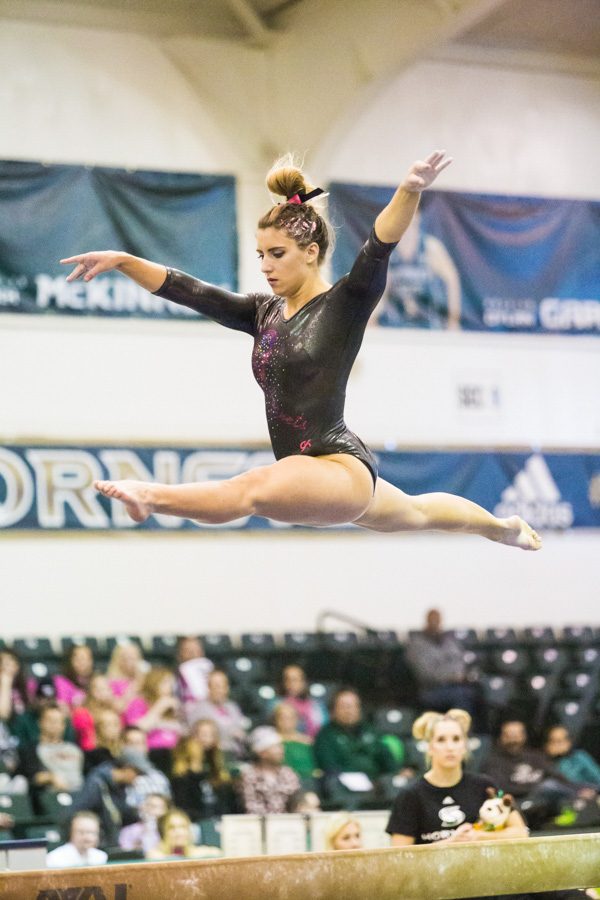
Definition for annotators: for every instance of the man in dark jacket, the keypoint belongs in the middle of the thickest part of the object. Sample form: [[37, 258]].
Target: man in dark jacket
[[105, 793]]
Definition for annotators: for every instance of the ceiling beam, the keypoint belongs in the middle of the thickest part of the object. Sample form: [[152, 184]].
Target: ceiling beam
[[247, 16]]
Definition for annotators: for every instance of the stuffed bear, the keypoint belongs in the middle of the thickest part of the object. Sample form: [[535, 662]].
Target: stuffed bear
[[495, 811]]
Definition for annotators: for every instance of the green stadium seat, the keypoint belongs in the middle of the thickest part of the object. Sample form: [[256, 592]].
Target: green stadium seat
[[397, 720], [509, 660], [217, 645], [497, 637], [56, 805], [163, 647], [33, 648], [243, 670], [479, 747], [258, 643], [339, 640], [18, 806], [539, 636], [578, 684], [210, 831], [578, 635], [302, 641], [498, 690], [50, 833]]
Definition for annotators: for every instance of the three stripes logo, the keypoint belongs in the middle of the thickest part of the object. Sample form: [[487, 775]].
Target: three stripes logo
[[534, 496]]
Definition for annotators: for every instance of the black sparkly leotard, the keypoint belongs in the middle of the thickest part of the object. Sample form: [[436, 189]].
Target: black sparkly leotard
[[302, 363]]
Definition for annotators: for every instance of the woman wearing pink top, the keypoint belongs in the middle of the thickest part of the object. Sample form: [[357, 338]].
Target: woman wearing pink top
[[126, 672], [312, 714], [156, 710], [72, 685], [98, 699]]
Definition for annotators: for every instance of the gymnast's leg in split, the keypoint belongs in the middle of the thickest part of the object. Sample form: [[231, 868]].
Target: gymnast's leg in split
[[318, 491]]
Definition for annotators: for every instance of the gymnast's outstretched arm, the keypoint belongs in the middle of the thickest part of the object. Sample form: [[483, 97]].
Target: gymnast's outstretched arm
[[232, 310], [394, 219]]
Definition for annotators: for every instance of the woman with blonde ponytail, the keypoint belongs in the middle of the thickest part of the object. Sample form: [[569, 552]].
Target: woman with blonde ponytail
[[444, 804], [306, 336]]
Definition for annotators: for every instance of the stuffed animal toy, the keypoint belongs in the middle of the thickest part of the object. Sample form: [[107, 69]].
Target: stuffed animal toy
[[494, 813]]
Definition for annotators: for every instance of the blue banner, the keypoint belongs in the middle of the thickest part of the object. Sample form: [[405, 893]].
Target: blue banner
[[51, 488], [48, 212], [481, 262]]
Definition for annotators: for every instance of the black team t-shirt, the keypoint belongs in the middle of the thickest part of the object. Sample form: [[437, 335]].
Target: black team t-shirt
[[430, 814]]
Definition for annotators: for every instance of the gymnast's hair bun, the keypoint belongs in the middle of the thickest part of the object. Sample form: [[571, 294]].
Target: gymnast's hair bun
[[285, 178]]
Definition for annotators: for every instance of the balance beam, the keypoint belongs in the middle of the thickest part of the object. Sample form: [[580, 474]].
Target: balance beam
[[446, 872]]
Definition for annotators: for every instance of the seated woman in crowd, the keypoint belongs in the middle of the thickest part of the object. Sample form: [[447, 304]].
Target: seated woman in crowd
[[143, 835], [177, 839], [126, 672], [13, 702], [202, 785], [53, 764], [298, 751], [267, 785], [13, 688], [443, 805], [227, 715], [72, 685], [193, 669], [343, 832], [108, 746], [98, 699], [576, 765], [312, 713], [157, 710]]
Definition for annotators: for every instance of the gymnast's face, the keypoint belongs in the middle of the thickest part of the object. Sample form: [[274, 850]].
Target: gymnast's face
[[285, 264]]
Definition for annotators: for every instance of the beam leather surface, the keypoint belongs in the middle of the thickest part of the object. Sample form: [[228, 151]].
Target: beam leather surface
[[410, 873]]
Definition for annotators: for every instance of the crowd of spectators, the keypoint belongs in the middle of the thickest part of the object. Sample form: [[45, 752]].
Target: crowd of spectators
[[145, 753]]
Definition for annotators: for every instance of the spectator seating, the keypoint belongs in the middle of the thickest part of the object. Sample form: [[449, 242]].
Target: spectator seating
[[92, 642], [395, 720], [33, 648], [541, 674]]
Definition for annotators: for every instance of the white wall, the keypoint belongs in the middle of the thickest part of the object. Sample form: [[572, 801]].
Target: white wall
[[510, 130], [76, 95], [153, 584], [191, 383]]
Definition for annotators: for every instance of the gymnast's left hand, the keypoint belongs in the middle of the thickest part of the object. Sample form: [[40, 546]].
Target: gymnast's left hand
[[423, 173]]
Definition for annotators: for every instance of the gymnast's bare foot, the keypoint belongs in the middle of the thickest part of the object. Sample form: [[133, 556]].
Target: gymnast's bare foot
[[134, 494], [517, 533]]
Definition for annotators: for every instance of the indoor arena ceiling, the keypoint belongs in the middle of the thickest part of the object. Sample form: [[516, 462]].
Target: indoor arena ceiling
[[568, 27]]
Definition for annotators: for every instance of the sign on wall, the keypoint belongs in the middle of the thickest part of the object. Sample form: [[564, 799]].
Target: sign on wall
[[51, 488], [481, 262], [49, 212]]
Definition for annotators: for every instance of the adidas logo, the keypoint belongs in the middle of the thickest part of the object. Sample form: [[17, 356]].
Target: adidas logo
[[535, 497]]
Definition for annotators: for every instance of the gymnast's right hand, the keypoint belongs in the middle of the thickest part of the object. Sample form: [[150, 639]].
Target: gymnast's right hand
[[88, 265]]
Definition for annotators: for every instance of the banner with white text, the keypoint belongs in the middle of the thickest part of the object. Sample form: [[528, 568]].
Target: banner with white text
[[481, 262], [49, 212], [50, 488]]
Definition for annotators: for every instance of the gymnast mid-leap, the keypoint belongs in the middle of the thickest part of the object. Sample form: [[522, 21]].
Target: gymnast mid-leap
[[306, 335]]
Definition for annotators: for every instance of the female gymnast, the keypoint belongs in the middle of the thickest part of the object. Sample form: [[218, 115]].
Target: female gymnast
[[306, 334]]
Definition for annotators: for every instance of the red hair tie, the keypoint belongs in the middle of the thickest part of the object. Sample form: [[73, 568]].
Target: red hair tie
[[294, 199]]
